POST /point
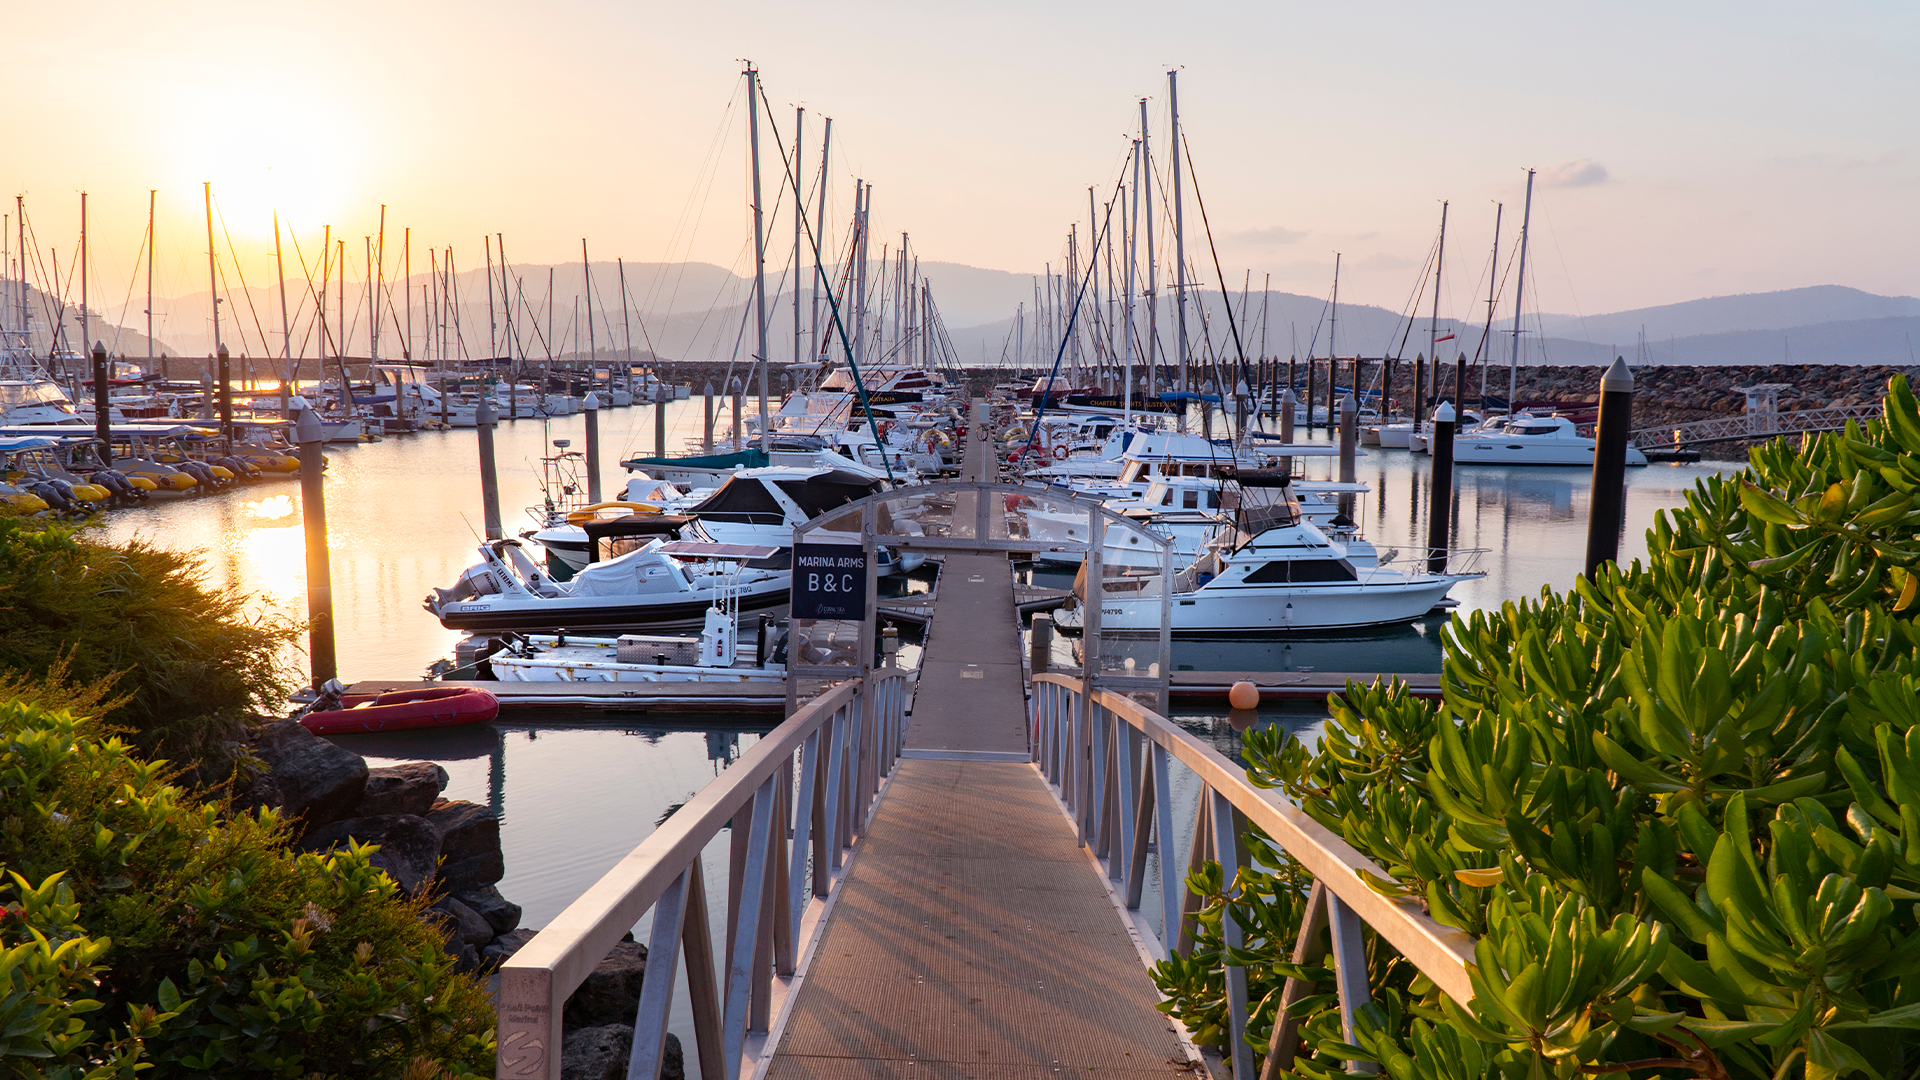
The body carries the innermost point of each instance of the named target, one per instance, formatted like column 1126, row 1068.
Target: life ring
column 591, row 513
column 1061, row 452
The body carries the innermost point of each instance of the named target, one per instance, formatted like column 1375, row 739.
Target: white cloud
column 1272, row 236
column 1585, row 172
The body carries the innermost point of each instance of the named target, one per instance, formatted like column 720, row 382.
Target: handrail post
column 1226, row 852
column 745, row 940
column 1170, row 877
column 1349, row 970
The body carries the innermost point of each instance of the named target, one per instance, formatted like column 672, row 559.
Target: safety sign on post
column 829, row 581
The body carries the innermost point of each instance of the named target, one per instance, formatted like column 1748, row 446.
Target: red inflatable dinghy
column 435, row 707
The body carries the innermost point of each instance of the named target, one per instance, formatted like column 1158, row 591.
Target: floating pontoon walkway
column 973, row 936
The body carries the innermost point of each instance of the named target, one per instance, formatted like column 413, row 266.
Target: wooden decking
column 973, row 936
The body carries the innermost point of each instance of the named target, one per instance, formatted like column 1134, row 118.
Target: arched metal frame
column 977, row 517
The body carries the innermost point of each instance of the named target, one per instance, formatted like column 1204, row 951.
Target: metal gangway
column 1753, row 425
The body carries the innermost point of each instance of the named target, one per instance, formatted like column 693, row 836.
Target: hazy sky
column 1685, row 149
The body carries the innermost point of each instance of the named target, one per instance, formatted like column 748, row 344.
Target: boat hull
column 581, row 614
column 408, row 709
column 1277, row 611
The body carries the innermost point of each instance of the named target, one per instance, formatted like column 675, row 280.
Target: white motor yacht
column 1276, row 573
column 1530, row 440
column 664, row 585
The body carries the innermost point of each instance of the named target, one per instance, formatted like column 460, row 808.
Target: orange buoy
column 1243, row 695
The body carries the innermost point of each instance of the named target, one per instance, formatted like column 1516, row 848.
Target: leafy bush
column 190, row 662
column 1679, row 806
column 149, row 930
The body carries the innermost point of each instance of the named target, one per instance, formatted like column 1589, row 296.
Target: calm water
column 577, row 791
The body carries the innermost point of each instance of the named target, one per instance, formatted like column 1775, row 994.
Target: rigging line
column 1073, row 317
column 244, row 290
column 1487, row 334
column 853, row 365
column 118, row 328
column 1246, row 375
column 1411, row 313
column 709, row 165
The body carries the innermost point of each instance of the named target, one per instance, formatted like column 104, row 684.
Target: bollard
column 1288, row 406
column 1349, row 445
column 484, row 418
column 227, row 400
column 661, row 395
column 102, row 420
column 1420, row 386
column 890, row 647
column 1439, row 509
column 739, row 428
column 706, row 435
column 1606, row 512
column 1040, row 648
column 592, row 407
column 1309, row 393
column 313, row 511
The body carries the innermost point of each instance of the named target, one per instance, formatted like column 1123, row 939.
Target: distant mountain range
column 702, row 311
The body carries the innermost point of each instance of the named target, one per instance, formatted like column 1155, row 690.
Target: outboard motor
column 203, row 476
column 59, row 497
column 115, row 481
column 237, row 466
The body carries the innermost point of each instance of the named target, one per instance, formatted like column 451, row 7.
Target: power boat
column 1531, row 440
column 1276, row 573
column 715, row 656
column 665, row 585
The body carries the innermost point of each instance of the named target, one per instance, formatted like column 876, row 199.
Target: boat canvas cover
column 635, row 573
column 742, row 500
column 634, row 525
column 818, row 494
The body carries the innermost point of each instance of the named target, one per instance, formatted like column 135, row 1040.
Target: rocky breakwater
column 1669, row 394
column 448, row 850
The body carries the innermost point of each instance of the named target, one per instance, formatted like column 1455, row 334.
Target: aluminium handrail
column 788, row 853
column 1109, row 757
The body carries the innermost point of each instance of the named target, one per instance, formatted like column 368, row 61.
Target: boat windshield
column 39, row 392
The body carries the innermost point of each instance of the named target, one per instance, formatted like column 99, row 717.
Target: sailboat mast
column 1179, row 225
column 1481, row 353
column 86, row 324
column 799, row 200
column 1133, row 239
column 493, row 323
column 1153, row 300
column 213, row 275
column 626, row 332
column 286, row 326
column 375, row 283
column 1433, row 321
column 820, row 233
column 1333, row 352
column 1519, row 291
column 862, row 199
column 150, row 201
column 759, row 252
column 406, row 287
column 586, row 270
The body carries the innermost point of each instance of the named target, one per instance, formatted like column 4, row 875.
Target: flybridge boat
column 1277, row 572
column 1531, row 440
column 666, row 585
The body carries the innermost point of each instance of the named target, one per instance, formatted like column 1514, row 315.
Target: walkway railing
column 788, row 855
column 1111, row 759
column 1759, row 425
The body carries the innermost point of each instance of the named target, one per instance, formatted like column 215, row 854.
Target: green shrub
column 149, row 927
column 190, row 663
column 1678, row 806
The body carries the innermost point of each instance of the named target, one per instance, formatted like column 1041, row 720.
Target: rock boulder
column 612, row 993
column 402, row 789
column 501, row 914
column 409, row 846
column 308, row 777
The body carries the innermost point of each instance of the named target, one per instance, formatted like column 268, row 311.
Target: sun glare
column 264, row 154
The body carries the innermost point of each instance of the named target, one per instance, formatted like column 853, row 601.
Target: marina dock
column 972, row 936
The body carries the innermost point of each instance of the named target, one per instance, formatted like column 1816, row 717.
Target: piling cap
column 484, row 413
column 592, row 402
column 1287, row 397
column 1618, row 378
column 1348, row 405
column 306, row 429
column 1444, row 414
column 99, row 350
column 223, row 352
